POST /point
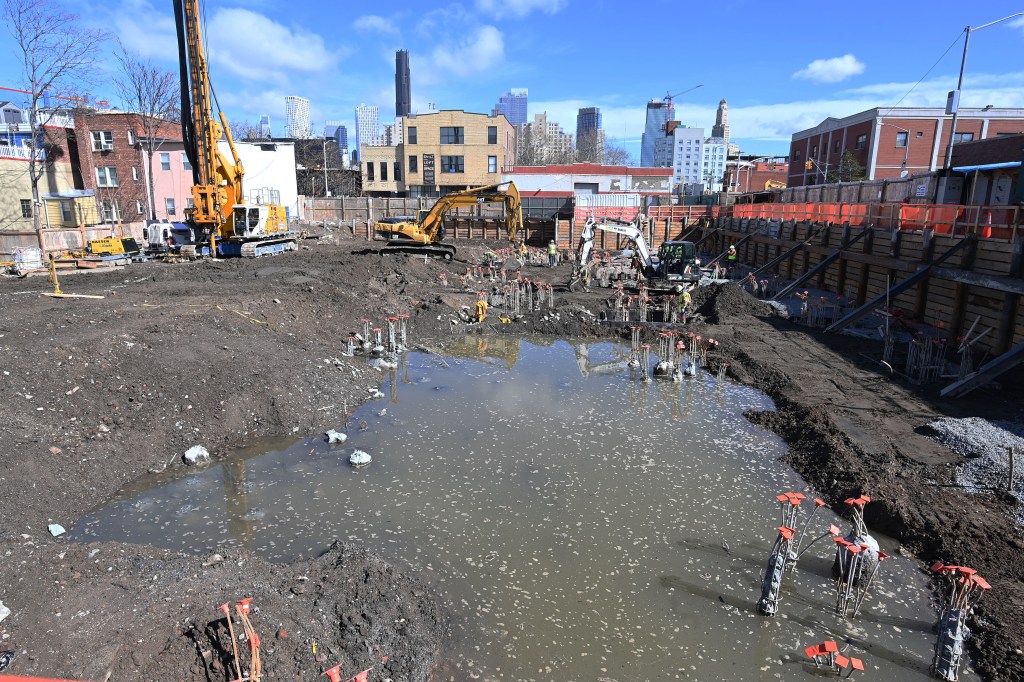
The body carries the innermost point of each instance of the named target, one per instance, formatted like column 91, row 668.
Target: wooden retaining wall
column 983, row 281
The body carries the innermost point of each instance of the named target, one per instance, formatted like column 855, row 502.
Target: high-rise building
column 403, row 84
column 713, row 164
column 334, row 130
column 297, row 115
column 589, row 136
column 687, row 159
column 656, row 145
column 265, row 127
column 367, row 127
column 721, row 127
column 542, row 141
column 513, row 105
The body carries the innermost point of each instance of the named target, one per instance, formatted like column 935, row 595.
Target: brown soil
column 96, row 393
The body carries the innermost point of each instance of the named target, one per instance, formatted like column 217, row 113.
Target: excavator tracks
column 445, row 251
column 267, row 248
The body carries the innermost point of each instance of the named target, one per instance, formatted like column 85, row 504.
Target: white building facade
column 367, row 126
column 687, row 160
column 297, row 113
column 714, row 152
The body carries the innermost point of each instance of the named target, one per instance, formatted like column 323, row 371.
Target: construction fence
column 996, row 222
column 61, row 239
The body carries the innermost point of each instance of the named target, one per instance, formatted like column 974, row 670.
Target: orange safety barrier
column 995, row 222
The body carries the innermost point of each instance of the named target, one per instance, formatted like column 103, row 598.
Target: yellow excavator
column 425, row 232
column 222, row 221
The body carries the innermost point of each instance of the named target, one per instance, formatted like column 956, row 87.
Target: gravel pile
column 985, row 443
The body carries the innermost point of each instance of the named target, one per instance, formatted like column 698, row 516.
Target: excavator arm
column 632, row 231
column 428, row 231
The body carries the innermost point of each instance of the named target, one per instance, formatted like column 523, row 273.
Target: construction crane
column 222, row 221
column 426, row 231
column 670, row 95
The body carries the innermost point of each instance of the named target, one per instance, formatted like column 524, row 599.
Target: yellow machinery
column 426, row 232
column 222, row 221
column 112, row 246
column 774, row 184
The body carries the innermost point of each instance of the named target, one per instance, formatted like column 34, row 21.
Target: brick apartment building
column 883, row 140
column 112, row 159
column 441, row 152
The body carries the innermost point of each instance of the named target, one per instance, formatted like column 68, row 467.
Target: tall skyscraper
column 265, row 127
column 297, row 116
column 656, row 145
column 334, row 130
column 513, row 105
column 721, row 127
column 367, row 127
column 589, row 136
column 403, row 84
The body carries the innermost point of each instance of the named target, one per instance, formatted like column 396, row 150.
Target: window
column 963, row 137
column 26, row 208
column 796, row 155
column 165, row 161
column 412, row 135
column 452, row 135
column 369, row 171
column 66, row 214
column 492, row 164
column 108, row 211
column 185, row 165
column 398, row 171
column 169, row 206
column 835, row 147
column 902, row 139
column 452, row 164
column 106, row 176
column 102, row 140
column 413, row 164
column 814, row 151
column 135, row 173
column 138, row 206
column 190, row 203
column 492, row 134
column 131, row 139
column 383, row 171
column 862, row 141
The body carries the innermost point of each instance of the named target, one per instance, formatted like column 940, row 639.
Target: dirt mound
column 718, row 302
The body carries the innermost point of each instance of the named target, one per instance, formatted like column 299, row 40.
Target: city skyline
column 488, row 48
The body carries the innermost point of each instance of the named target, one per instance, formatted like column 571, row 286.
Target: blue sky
column 782, row 66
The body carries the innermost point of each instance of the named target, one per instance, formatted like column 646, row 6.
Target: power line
column 921, row 80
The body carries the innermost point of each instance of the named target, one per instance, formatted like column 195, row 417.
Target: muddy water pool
column 574, row 519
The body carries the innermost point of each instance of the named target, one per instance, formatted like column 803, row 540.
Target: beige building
column 441, row 152
column 16, row 194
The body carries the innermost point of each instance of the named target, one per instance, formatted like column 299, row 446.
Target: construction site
column 575, row 480
column 484, row 432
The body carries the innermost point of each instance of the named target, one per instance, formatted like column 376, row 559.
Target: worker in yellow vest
column 552, row 253
column 481, row 310
column 731, row 259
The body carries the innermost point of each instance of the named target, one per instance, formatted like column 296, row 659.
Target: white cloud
column 481, row 50
column 146, row 31
column 519, row 8
column 831, row 70
column 240, row 42
column 1018, row 23
column 372, row 22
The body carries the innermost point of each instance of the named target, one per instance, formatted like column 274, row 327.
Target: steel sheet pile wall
column 983, row 281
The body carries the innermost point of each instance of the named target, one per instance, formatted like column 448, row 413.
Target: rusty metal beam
column 825, row 262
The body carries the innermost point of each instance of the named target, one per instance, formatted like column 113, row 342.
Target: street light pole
column 327, row 190
column 960, row 83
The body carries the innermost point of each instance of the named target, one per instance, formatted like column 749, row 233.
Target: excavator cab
column 677, row 262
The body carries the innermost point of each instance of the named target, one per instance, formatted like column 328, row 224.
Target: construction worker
column 685, row 300
column 731, row 259
column 552, row 253
column 481, row 310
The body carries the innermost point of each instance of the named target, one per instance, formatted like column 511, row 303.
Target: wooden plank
column 910, row 281
column 986, row 373
column 824, row 263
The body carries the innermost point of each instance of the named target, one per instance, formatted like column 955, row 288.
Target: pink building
column 172, row 180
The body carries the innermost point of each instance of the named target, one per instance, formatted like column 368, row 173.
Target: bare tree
column 617, row 156
column 590, row 146
column 153, row 94
column 245, row 130
column 55, row 53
